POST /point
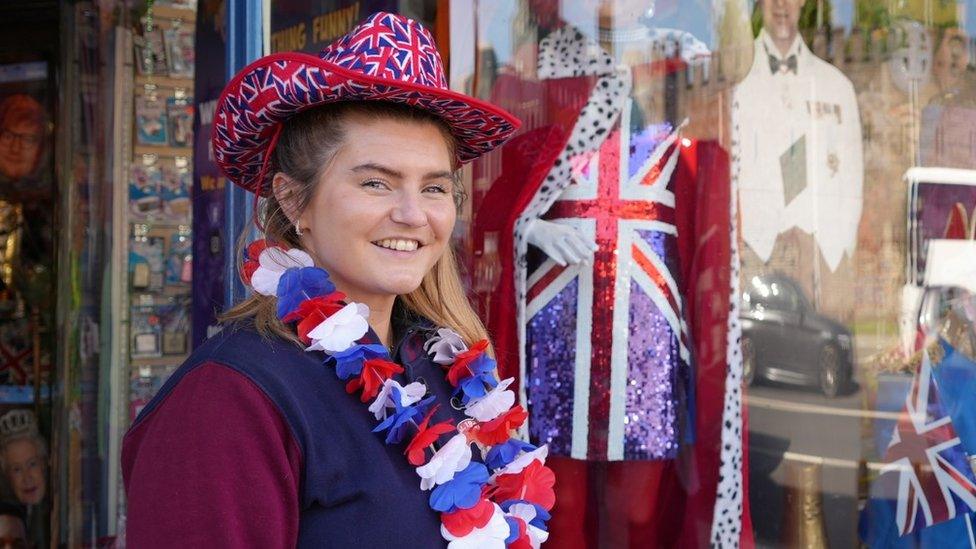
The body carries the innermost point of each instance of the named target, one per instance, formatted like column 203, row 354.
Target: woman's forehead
column 401, row 146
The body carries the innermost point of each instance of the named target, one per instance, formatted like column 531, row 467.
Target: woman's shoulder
column 271, row 364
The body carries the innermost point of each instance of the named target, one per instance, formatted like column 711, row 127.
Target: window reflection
column 845, row 131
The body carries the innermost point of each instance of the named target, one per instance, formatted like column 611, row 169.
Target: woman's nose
column 409, row 211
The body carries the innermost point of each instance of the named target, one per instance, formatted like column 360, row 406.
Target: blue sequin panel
column 650, row 424
column 551, row 342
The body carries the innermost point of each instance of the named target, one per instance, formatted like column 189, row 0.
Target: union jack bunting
column 925, row 461
column 612, row 374
column 387, row 57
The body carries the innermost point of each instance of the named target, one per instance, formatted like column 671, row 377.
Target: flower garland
column 502, row 500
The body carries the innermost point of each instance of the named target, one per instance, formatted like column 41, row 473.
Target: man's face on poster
column 20, row 143
column 781, row 18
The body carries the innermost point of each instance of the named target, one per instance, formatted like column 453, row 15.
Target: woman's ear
column 285, row 190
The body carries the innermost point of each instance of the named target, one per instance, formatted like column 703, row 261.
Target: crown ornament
column 18, row 423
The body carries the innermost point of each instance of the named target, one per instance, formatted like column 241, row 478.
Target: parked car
column 785, row 340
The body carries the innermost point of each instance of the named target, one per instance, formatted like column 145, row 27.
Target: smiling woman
column 371, row 188
column 357, row 300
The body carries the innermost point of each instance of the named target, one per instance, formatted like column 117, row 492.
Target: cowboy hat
column 387, row 57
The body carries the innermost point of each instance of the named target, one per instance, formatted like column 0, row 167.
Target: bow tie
column 775, row 63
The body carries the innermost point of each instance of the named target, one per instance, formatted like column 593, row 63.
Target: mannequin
column 598, row 254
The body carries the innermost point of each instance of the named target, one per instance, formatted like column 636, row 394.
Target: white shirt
column 798, row 141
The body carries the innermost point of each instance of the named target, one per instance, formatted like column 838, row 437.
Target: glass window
column 729, row 206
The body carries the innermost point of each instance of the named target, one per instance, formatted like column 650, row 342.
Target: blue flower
column 513, row 530
column 484, row 364
column 474, row 387
column 501, row 455
column 541, row 515
column 461, row 492
column 298, row 284
column 349, row 363
column 403, row 417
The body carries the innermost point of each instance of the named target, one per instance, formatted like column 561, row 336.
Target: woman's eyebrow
column 390, row 172
column 373, row 167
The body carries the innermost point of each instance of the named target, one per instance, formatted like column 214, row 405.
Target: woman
column 256, row 440
column 23, row 458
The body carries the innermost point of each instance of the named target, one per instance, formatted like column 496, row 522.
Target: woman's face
column 25, row 470
column 383, row 211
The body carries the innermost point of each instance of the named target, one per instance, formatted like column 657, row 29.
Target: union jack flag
column 926, row 461
column 620, row 340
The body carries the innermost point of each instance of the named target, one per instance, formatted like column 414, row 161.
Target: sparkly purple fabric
column 642, row 145
column 551, row 339
column 650, row 426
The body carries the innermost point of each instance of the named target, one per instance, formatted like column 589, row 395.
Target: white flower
column 448, row 460
column 527, row 512
column 489, row 536
column 446, row 345
column 520, row 463
column 272, row 263
column 341, row 330
column 409, row 394
column 494, row 403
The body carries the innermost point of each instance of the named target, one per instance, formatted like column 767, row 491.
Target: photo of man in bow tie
column 797, row 132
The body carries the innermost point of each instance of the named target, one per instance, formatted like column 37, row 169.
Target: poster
column 310, row 25
column 210, row 244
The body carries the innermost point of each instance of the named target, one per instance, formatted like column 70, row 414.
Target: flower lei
column 502, row 500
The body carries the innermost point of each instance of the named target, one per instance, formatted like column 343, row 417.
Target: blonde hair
column 307, row 144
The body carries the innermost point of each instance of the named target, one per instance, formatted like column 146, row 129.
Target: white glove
column 562, row 243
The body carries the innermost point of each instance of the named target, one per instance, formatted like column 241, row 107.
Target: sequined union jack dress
column 605, row 358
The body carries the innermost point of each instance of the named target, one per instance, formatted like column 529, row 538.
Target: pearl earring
column 298, row 228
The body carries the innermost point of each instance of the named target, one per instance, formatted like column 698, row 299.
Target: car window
column 775, row 295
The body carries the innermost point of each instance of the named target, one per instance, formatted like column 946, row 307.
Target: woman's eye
column 374, row 184
column 440, row 189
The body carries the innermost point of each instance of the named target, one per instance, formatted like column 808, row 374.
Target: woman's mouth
column 398, row 244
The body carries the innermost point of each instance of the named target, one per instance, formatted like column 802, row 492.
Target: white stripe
column 537, row 275
column 656, row 155
column 584, row 353
column 969, row 530
column 655, row 260
column 660, row 300
column 618, row 353
column 623, row 156
column 553, row 289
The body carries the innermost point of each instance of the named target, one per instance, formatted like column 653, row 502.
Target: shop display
column 179, row 261
column 608, row 213
column 179, row 52
column 145, row 183
column 159, row 250
column 150, row 53
column 179, row 109
column 151, row 121
column 174, row 191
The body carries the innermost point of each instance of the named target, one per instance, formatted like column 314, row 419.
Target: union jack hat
column 387, row 57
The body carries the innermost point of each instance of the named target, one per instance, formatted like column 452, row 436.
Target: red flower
column 459, row 370
column 425, row 437
column 375, row 372
column 463, row 521
column 499, row 429
column 533, row 484
column 250, row 265
column 312, row 312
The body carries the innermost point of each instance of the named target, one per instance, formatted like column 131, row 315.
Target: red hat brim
column 272, row 89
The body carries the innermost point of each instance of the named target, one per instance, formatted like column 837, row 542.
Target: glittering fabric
column 650, row 426
column 631, row 411
column 550, row 376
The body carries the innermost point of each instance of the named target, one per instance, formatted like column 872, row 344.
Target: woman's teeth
column 399, row 245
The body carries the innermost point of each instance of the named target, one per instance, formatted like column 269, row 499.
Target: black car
column 785, row 340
